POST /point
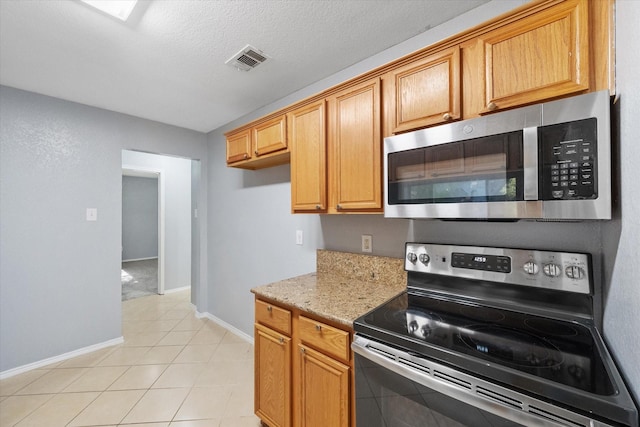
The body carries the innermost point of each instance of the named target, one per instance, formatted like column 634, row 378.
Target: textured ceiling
column 166, row 63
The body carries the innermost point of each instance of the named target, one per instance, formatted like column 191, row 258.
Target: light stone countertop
column 343, row 293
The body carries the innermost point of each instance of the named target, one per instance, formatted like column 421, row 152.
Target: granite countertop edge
column 330, row 296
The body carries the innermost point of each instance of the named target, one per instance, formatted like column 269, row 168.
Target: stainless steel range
column 489, row 337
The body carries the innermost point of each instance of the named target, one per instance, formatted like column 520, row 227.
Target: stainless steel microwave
column 549, row 161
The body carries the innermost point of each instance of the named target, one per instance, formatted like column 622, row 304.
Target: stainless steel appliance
column 548, row 161
column 489, row 337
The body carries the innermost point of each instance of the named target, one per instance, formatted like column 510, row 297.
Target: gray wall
column 139, row 218
column 251, row 235
column 244, row 257
column 621, row 237
column 59, row 274
column 176, row 178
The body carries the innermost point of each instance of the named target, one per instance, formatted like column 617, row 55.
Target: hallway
column 173, row 370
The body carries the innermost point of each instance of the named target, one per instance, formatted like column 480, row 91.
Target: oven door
column 395, row 388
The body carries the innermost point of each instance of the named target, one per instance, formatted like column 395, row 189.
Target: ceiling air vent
column 247, row 59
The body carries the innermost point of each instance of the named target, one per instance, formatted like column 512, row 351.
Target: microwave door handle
column 530, row 162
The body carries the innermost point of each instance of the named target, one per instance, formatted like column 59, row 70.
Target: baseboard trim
column 139, row 259
column 55, row 359
column 170, row 291
column 225, row 325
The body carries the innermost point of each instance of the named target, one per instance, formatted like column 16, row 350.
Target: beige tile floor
column 173, row 370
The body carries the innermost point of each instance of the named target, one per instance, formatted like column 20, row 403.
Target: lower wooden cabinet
column 324, row 390
column 273, row 384
column 313, row 387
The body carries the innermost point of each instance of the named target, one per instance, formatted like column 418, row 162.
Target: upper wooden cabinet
column 540, row 57
column 262, row 145
column 239, row 146
column 355, row 149
column 270, row 136
column 423, row 93
column 307, row 136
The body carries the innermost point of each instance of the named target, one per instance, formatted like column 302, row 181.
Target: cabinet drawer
column 332, row 341
column 273, row 316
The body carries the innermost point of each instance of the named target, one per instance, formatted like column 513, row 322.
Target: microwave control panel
column 568, row 170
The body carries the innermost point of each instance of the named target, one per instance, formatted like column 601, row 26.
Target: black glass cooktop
column 563, row 352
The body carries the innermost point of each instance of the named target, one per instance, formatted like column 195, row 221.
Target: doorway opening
column 142, row 232
column 175, row 223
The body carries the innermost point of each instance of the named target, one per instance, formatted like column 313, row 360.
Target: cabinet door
column 272, row 377
column 270, row 136
column 539, row 57
column 307, row 137
column 355, row 155
column 425, row 92
column 239, row 146
column 324, row 390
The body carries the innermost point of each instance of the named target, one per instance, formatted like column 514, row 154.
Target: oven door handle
column 489, row 397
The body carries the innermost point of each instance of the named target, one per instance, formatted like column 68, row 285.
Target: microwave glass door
column 486, row 169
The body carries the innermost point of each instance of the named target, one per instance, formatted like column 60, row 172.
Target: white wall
column 176, row 174
column 59, row 274
column 139, row 218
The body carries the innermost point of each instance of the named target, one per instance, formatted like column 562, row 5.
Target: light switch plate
column 92, row 214
column 299, row 237
column 367, row 243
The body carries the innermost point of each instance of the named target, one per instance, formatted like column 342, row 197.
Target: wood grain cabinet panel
column 355, row 149
column 273, row 377
column 270, row 136
column 540, row 57
column 425, row 92
column 238, row 146
column 273, row 316
column 262, row 145
column 324, row 390
column 307, row 137
column 333, row 341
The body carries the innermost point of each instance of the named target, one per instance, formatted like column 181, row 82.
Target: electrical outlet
column 367, row 243
column 299, row 237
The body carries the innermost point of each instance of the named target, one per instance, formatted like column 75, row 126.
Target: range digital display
column 483, row 262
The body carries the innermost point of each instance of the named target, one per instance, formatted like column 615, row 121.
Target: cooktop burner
column 559, row 351
column 511, row 346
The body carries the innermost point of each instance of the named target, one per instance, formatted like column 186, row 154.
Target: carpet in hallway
column 139, row 278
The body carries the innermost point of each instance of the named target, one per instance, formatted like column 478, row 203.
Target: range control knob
column 530, row 268
column 424, row 258
column 413, row 326
column 552, row 270
column 412, row 257
column 574, row 272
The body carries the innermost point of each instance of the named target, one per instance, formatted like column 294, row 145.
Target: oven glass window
column 387, row 399
column 478, row 170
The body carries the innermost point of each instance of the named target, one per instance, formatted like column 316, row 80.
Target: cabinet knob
column 318, row 207
column 318, row 328
column 446, row 117
column 492, row 106
column 245, row 156
column 338, row 207
column 256, row 152
column 281, row 340
column 302, row 350
column 269, row 308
